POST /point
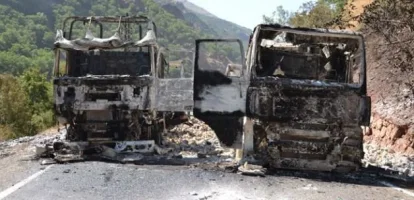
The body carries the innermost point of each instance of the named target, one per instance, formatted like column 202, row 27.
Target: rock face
column 389, row 145
column 392, row 123
column 384, row 133
column 390, row 83
column 388, row 159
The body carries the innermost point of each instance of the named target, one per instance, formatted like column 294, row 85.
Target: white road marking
column 397, row 188
column 20, row 184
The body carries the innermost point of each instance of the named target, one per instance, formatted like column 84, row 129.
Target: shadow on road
column 365, row 176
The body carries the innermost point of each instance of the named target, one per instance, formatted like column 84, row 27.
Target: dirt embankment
column 390, row 62
column 392, row 122
column 355, row 8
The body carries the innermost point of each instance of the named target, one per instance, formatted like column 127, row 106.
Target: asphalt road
column 98, row 180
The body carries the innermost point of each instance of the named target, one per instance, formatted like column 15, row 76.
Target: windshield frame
column 256, row 40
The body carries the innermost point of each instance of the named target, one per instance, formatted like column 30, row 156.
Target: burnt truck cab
column 302, row 94
column 110, row 80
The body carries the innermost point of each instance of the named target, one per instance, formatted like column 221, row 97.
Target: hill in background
column 179, row 24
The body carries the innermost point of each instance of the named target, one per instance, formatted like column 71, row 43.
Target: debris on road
column 383, row 158
column 191, row 142
column 252, row 170
column 47, row 162
column 162, row 151
column 185, row 144
column 309, row 187
column 131, row 158
column 197, row 137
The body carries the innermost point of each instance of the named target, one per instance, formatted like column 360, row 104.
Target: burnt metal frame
column 199, row 41
column 196, row 82
column 322, row 32
column 98, row 19
column 163, row 51
column 360, row 88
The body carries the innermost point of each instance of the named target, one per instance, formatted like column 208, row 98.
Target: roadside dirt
column 193, row 139
column 389, row 142
column 392, row 93
column 355, row 8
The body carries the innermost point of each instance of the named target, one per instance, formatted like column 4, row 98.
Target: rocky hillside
column 354, row 9
column 387, row 27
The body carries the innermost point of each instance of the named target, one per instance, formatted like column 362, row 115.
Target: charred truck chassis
column 111, row 108
column 107, row 95
column 304, row 93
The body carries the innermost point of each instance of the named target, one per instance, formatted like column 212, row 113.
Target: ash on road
column 97, row 180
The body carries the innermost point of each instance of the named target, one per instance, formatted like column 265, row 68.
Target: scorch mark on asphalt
column 20, row 184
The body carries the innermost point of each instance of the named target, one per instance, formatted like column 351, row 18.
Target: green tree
column 338, row 5
column 313, row 14
column 20, row 38
column 280, row 16
column 25, row 104
column 37, row 88
column 15, row 118
column 39, row 94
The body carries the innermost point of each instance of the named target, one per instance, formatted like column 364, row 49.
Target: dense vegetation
column 314, row 14
column 25, row 104
column 393, row 21
column 25, row 62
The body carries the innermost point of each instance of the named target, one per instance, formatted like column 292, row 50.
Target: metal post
column 248, row 146
column 247, row 140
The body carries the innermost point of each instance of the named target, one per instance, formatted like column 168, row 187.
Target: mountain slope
column 28, row 27
column 200, row 18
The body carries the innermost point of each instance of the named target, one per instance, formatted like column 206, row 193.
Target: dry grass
column 355, row 8
column 5, row 133
column 51, row 131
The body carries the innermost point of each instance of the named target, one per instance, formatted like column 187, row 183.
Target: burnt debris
column 305, row 90
column 112, row 87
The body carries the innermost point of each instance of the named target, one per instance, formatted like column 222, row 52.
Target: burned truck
column 299, row 102
column 111, row 81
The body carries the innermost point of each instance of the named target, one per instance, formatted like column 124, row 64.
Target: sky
column 247, row 13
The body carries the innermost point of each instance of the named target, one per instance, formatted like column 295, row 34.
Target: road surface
column 99, row 180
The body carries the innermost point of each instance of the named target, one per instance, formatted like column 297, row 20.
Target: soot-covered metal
column 219, row 92
column 305, row 90
column 308, row 96
column 109, row 89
